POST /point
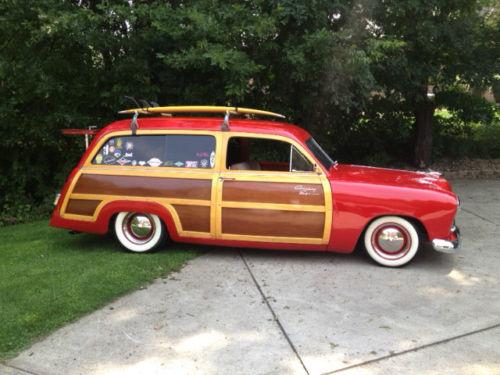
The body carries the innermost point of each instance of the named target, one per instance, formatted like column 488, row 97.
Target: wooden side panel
column 273, row 192
column 82, row 207
column 264, row 222
column 194, row 218
column 144, row 186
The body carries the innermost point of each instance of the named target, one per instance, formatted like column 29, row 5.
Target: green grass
column 49, row 278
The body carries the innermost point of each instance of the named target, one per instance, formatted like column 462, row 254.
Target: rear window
column 179, row 151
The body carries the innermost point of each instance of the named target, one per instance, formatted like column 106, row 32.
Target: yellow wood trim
column 68, row 193
column 165, row 172
column 193, row 234
column 269, row 176
column 215, row 179
column 110, row 198
column 273, row 206
column 221, row 160
column 164, row 202
column 328, row 209
column 273, row 239
column 92, row 218
column 218, row 209
column 78, row 217
column 123, row 133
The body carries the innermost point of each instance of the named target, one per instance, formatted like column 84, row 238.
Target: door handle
column 227, row 178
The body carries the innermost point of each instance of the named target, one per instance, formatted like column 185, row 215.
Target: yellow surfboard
column 202, row 109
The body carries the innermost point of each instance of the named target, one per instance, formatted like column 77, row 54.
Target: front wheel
column 139, row 232
column 391, row 241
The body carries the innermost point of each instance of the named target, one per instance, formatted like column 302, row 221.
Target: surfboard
column 201, row 109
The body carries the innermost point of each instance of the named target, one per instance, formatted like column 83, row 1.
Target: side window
column 181, row 151
column 298, row 163
column 190, row 151
column 256, row 154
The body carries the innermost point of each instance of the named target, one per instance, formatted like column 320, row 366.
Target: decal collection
column 118, row 151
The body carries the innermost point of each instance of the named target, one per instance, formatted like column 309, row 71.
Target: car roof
column 210, row 124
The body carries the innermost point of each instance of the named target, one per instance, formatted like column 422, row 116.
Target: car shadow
column 426, row 258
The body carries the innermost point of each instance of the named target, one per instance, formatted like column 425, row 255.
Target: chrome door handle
column 226, row 178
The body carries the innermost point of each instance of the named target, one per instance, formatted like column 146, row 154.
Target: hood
column 389, row 177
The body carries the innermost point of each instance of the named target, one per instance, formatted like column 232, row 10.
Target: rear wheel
column 139, row 232
column 391, row 241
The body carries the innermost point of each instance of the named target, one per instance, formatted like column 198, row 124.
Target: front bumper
column 448, row 245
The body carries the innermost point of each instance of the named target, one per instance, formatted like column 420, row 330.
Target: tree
column 423, row 47
column 69, row 64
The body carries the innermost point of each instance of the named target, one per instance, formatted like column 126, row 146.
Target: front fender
column 356, row 205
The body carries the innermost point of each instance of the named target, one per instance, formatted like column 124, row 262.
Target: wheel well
column 111, row 221
column 420, row 227
column 417, row 223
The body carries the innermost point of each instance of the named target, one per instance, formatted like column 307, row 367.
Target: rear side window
column 180, row 151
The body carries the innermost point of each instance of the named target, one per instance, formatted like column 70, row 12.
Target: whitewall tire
column 391, row 241
column 139, row 232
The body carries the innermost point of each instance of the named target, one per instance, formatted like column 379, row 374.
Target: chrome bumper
column 447, row 246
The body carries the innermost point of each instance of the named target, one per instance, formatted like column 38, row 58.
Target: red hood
column 391, row 177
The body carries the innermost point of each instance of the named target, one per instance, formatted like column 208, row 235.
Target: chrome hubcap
column 138, row 228
column 390, row 240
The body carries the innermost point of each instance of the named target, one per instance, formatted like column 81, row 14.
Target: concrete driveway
column 266, row 312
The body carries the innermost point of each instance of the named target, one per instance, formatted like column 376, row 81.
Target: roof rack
column 197, row 109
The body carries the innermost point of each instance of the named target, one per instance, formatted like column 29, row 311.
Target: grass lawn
column 49, row 277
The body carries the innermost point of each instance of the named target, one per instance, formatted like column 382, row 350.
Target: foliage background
column 349, row 71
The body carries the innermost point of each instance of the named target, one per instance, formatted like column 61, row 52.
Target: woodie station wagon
column 242, row 182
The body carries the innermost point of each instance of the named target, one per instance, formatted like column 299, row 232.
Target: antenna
column 132, row 99
column 145, row 103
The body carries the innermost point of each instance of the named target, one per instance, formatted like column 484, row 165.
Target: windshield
column 319, row 153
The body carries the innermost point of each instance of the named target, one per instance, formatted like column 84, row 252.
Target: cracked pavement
column 267, row 312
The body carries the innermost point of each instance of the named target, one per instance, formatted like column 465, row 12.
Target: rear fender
column 115, row 207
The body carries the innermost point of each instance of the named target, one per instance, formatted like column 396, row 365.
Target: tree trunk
column 424, row 115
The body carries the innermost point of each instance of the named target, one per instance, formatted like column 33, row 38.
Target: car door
column 272, row 201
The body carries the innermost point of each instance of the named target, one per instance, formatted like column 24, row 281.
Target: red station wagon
column 248, row 183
